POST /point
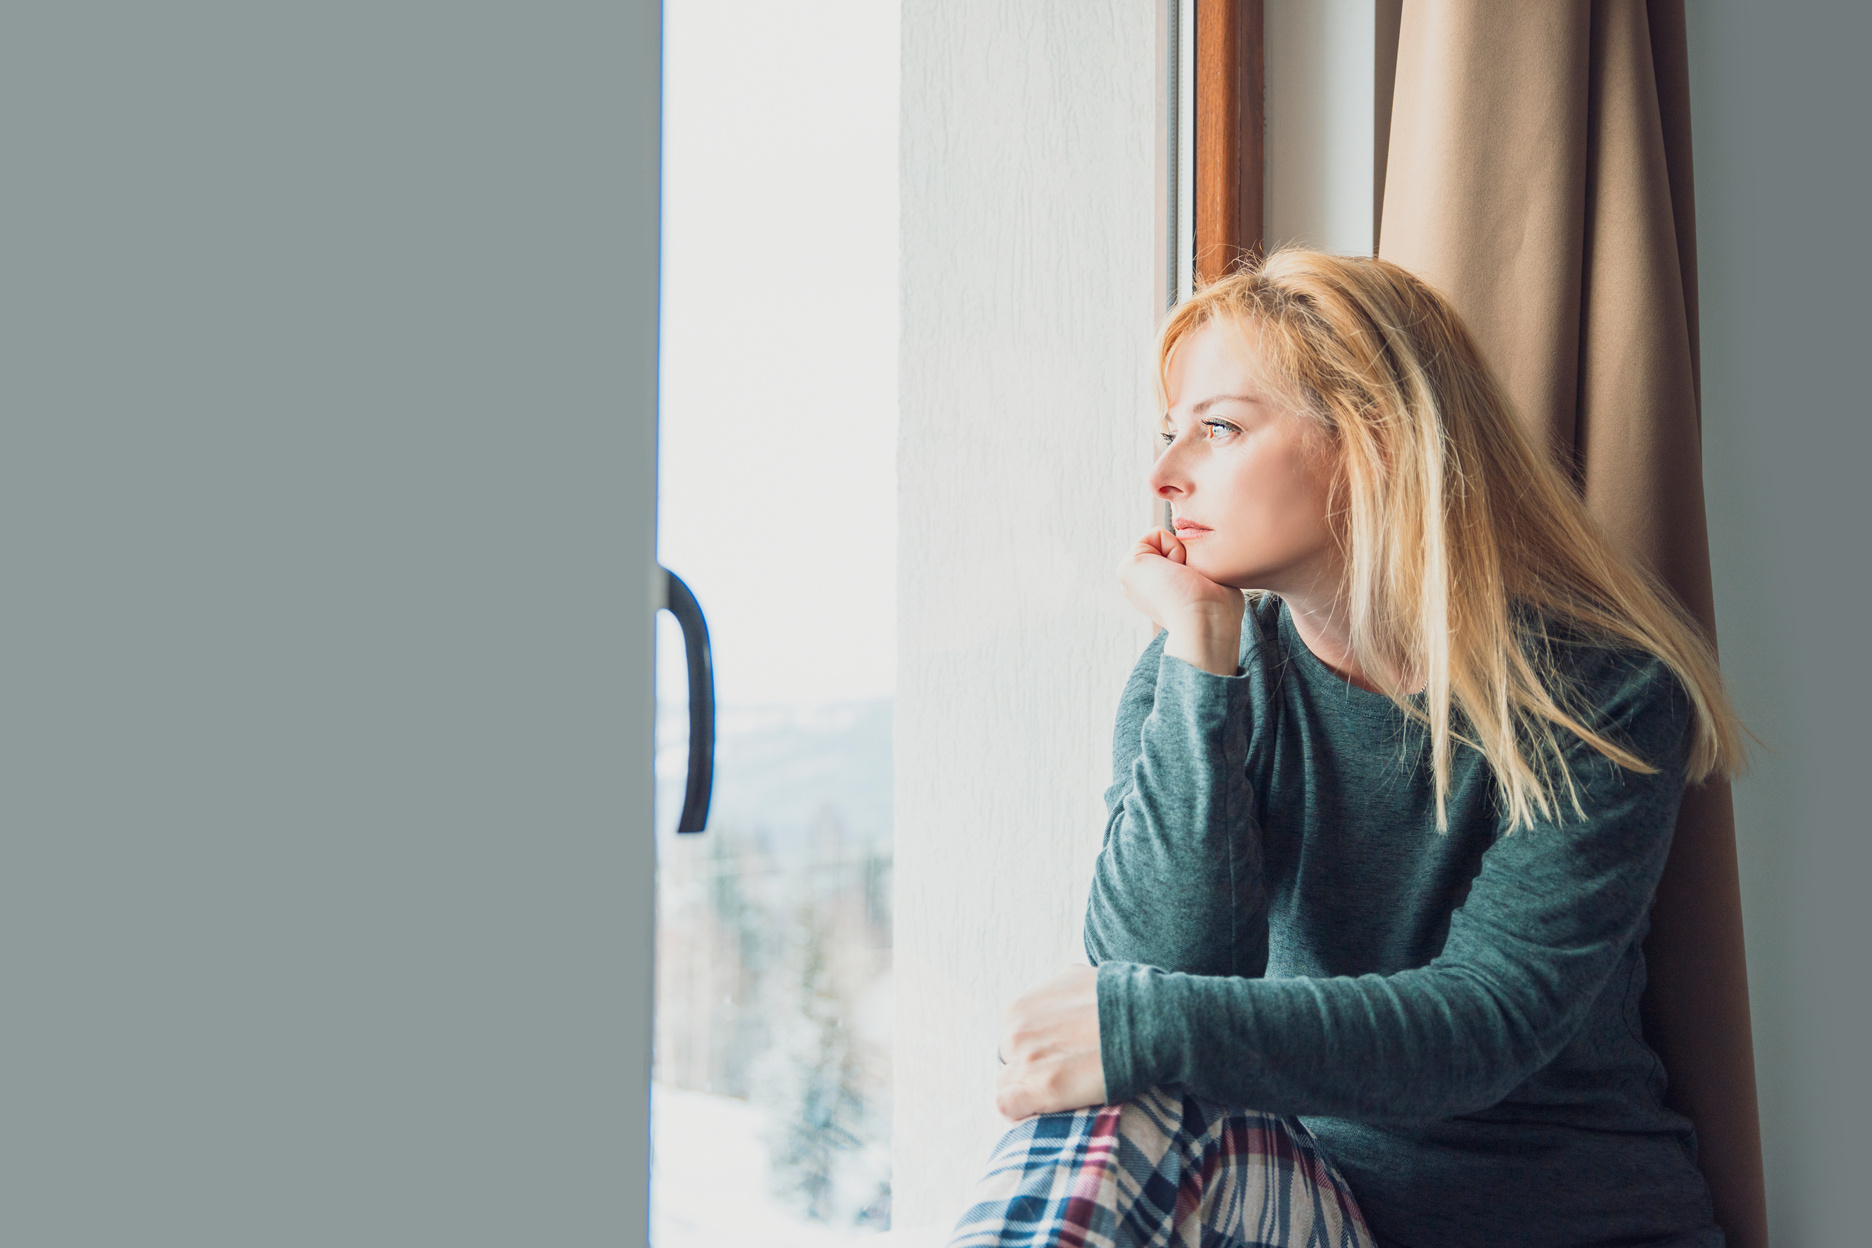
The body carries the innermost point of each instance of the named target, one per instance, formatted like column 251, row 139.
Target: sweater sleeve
column 1177, row 885
column 1550, row 914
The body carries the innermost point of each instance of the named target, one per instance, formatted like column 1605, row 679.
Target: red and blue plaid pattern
column 1165, row 1169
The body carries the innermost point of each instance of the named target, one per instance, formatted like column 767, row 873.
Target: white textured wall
column 1027, row 266
column 1319, row 123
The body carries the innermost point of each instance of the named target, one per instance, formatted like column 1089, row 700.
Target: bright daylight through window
column 771, row 1111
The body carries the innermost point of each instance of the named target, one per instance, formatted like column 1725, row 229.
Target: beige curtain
column 1538, row 172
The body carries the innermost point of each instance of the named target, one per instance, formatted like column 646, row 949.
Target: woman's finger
column 1163, row 542
column 1014, row 1104
column 1051, row 1086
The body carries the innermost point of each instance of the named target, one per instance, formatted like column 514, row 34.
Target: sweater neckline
column 1316, row 669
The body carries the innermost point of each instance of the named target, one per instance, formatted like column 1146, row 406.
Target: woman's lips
column 1186, row 530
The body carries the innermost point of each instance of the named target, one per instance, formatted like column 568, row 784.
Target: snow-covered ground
column 708, row 1183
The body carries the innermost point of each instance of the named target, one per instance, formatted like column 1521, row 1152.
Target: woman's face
column 1247, row 479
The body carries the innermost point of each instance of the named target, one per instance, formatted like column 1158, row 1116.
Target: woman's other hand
column 1050, row 1042
column 1203, row 617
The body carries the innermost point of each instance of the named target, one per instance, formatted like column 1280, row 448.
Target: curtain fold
column 1538, row 172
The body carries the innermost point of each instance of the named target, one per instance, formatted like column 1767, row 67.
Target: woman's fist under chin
column 1157, row 579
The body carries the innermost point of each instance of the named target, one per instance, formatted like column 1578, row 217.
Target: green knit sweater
column 1278, row 924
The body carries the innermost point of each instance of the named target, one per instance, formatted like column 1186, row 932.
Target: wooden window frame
column 1229, row 139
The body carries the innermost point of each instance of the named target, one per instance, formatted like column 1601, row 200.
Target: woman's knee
column 1186, row 1161
column 1122, row 1174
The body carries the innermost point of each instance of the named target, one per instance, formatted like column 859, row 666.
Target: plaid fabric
column 1165, row 1169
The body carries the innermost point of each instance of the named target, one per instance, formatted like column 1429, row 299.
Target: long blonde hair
column 1455, row 524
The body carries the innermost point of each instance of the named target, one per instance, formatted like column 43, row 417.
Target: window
column 771, row 1086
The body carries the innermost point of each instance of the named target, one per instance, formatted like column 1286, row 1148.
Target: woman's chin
column 1196, row 559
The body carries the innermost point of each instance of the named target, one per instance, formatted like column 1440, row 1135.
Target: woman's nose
column 1166, row 478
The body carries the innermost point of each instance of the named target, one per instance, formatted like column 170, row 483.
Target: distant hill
column 777, row 768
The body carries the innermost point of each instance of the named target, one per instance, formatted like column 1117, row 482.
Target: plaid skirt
column 1165, row 1169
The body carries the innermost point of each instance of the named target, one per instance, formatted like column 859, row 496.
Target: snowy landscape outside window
column 770, row 1098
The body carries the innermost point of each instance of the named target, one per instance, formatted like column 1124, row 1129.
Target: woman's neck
column 1324, row 625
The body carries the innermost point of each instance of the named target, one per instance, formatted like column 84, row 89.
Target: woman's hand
column 1203, row 617
column 1050, row 1042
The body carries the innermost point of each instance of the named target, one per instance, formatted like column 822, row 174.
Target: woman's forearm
column 1178, row 883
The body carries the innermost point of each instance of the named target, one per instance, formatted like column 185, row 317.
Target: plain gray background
column 326, row 472
column 1780, row 109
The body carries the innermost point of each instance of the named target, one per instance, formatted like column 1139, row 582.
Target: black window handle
column 682, row 604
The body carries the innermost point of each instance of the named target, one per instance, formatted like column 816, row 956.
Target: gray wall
column 326, row 471
column 1780, row 110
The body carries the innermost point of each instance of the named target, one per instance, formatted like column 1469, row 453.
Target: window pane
column 778, row 508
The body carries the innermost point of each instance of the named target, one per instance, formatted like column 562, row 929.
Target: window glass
column 777, row 500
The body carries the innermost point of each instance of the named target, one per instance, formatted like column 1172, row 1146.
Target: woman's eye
column 1212, row 430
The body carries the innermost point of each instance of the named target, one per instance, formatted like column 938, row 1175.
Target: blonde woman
column 1383, row 834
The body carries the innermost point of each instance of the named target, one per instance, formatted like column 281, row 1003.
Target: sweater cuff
column 1163, row 1027
column 1198, row 709
column 1184, row 675
column 1128, row 1023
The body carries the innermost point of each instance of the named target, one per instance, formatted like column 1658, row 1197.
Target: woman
column 1383, row 835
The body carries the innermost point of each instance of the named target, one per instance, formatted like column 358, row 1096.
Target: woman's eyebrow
column 1203, row 406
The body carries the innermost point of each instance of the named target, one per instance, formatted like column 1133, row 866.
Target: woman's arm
column 1178, row 883
column 1550, row 914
